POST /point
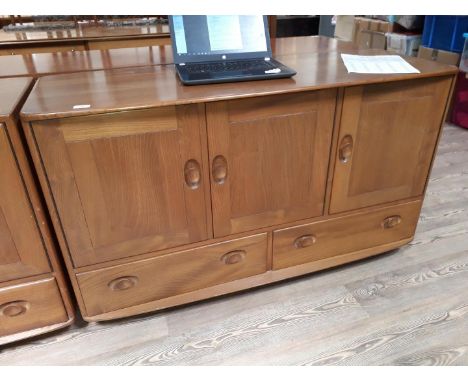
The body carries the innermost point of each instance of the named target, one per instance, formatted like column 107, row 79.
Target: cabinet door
column 126, row 183
column 269, row 158
column 21, row 251
column 387, row 138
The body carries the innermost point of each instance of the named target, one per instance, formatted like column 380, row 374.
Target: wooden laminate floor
column 406, row 307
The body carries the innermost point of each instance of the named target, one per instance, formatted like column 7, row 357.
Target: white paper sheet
column 377, row 64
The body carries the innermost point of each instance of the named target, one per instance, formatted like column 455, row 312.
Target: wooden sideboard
column 33, row 291
column 85, row 36
column 163, row 194
column 41, row 64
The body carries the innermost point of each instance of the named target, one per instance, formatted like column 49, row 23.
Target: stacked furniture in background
column 33, row 294
column 83, row 36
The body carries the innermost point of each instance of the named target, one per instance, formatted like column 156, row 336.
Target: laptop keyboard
column 229, row 66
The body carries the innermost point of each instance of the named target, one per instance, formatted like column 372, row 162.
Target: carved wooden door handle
column 219, row 170
column 391, row 221
column 304, row 241
column 14, row 308
column 233, row 257
column 192, row 174
column 346, row 149
column 123, row 283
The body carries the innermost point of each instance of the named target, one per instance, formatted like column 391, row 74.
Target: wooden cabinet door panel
column 21, row 250
column 387, row 138
column 269, row 159
column 119, row 180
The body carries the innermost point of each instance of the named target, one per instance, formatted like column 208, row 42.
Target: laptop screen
column 203, row 38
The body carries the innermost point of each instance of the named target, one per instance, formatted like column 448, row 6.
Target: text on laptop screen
column 206, row 35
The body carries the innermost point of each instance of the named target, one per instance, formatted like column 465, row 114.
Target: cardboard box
column 344, row 28
column 442, row 56
column 406, row 44
column 370, row 33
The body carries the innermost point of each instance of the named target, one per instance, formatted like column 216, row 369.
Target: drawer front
column 311, row 242
column 30, row 306
column 117, row 287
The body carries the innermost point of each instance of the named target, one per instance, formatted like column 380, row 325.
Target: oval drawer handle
column 219, row 170
column 346, row 149
column 305, row 241
column 233, row 257
column 14, row 308
column 123, row 283
column 391, row 221
column 192, row 174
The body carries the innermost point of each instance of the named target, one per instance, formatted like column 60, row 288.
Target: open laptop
column 209, row 49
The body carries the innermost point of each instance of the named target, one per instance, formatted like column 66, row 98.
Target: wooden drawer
column 311, row 242
column 30, row 306
column 152, row 279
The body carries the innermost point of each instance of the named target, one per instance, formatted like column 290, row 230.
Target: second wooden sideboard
column 33, row 291
column 163, row 194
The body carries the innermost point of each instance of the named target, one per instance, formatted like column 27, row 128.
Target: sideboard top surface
column 41, row 64
column 86, row 93
column 11, row 92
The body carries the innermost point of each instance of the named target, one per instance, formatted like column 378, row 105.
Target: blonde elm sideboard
column 162, row 194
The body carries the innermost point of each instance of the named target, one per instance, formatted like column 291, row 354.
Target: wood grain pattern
column 151, row 86
column 122, row 192
column 247, row 283
column 117, row 194
column 269, row 158
column 435, row 357
column 115, row 56
column 29, row 306
column 342, row 235
column 84, row 31
column 388, row 336
column 408, row 307
column 27, row 247
column 129, row 42
column 11, row 93
column 275, row 154
column 177, row 273
column 38, row 48
column 118, row 125
column 41, row 64
column 83, row 36
column 387, row 139
column 22, row 253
